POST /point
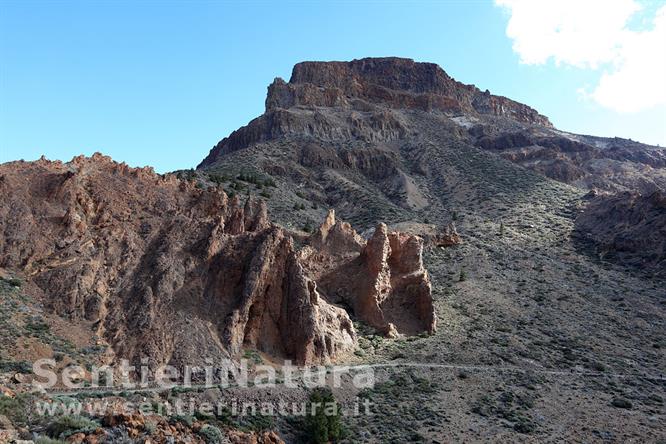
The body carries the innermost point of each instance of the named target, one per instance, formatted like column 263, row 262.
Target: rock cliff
column 364, row 94
column 178, row 274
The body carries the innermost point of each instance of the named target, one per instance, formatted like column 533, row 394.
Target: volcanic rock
column 370, row 89
column 382, row 281
column 175, row 273
column 628, row 227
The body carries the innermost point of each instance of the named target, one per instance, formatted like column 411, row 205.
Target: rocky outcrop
column 609, row 164
column 8, row 432
column 168, row 271
column 374, row 123
column 394, row 295
column 444, row 236
column 627, row 227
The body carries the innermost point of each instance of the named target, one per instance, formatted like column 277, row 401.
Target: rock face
column 445, row 237
column 372, row 88
column 628, row 227
column 175, row 273
column 383, row 281
column 585, row 161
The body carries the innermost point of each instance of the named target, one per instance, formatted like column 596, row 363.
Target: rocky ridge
column 168, row 271
column 370, row 104
column 610, row 164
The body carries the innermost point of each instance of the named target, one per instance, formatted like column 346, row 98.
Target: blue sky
column 160, row 82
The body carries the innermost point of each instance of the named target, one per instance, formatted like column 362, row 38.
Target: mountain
column 531, row 289
column 385, row 138
column 383, row 103
column 503, row 278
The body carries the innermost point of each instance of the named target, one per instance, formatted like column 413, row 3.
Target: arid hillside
column 503, row 279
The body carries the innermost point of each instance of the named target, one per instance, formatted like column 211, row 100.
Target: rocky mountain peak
column 392, row 82
column 366, row 100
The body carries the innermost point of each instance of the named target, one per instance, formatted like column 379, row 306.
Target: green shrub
column 201, row 416
column 15, row 367
column 16, row 409
column 257, row 423
column 67, row 425
column 150, row 427
column 211, row 434
column 37, row 326
column 621, row 403
column 524, row 425
column 14, row 282
column 187, row 420
column 218, row 179
column 463, row 275
column 322, row 425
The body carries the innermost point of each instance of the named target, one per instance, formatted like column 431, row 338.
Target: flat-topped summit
column 366, row 100
column 393, row 82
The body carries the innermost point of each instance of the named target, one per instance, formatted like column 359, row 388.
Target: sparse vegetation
column 24, row 367
column 253, row 356
column 535, row 300
column 256, row 180
column 16, row 409
column 47, row 440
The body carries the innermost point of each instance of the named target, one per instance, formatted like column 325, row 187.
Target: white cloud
column 639, row 80
column 593, row 34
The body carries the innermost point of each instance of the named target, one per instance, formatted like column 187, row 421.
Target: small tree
column 463, row 275
column 501, row 229
column 323, row 422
